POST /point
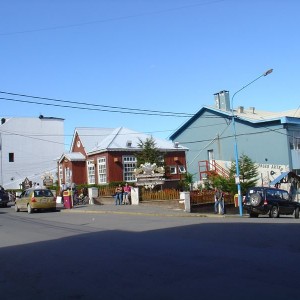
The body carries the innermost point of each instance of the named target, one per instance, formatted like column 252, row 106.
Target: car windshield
column 256, row 191
column 43, row 193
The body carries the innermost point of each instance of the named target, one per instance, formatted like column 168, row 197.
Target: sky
column 125, row 63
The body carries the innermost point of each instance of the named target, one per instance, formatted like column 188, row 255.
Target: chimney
column 240, row 109
column 222, row 100
column 252, row 109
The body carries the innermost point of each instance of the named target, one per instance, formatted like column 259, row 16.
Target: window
column 11, row 157
column 129, row 164
column 294, row 140
column 173, row 170
column 68, row 175
column 102, row 170
column 285, row 196
column 91, row 171
column 60, row 174
column 181, row 169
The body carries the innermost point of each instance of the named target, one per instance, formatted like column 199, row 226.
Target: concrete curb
column 145, row 213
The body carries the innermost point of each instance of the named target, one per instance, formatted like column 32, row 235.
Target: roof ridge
column 118, row 129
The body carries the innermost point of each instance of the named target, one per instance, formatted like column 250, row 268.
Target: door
column 210, row 154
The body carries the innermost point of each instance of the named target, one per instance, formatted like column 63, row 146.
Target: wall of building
column 36, row 144
column 79, row 172
column 213, row 132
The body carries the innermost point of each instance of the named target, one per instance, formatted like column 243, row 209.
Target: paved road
column 121, row 255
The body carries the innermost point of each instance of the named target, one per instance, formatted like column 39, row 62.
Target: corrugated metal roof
column 248, row 114
column 259, row 115
column 75, row 156
column 105, row 139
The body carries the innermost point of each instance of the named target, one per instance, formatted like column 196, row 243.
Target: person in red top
column 126, row 194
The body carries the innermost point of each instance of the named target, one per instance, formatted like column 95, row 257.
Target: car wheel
column 274, row 213
column 253, row 215
column 16, row 208
column 29, row 209
column 255, row 199
column 297, row 213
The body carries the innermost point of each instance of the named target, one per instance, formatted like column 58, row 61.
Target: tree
column 186, row 183
column 248, row 173
column 248, row 176
column 149, row 153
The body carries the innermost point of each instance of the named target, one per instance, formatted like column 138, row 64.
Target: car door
column 22, row 203
column 287, row 203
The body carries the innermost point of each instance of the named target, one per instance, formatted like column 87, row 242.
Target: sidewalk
column 141, row 209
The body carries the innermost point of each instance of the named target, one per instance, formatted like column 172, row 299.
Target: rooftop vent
column 3, row 120
column 176, row 144
column 240, row 109
column 252, row 109
column 129, row 144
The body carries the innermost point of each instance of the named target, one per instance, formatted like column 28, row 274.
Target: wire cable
column 96, row 105
column 110, row 19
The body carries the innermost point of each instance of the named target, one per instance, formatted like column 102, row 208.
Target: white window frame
column 181, row 169
column 60, row 174
column 173, row 170
column 102, row 170
column 129, row 164
column 68, row 176
column 90, row 166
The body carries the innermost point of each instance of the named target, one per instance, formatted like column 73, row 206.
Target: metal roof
column 73, row 156
column 249, row 115
column 118, row 139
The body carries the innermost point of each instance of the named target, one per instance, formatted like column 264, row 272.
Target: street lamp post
column 237, row 177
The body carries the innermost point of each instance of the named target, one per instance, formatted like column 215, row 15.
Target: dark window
column 11, row 157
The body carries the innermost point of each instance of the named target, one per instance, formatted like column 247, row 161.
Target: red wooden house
column 105, row 155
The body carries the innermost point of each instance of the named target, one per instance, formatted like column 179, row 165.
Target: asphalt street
column 127, row 253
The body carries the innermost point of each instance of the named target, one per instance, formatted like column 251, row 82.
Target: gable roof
column 118, row 139
column 72, row 156
column 248, row 115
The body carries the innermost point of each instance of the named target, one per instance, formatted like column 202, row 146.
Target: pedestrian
column 219, row 198
column 119, row 194
column 126, row 194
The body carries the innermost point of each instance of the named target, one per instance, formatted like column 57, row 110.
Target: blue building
column 270, row 139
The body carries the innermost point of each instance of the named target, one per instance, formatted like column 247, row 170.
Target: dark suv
column 271, row 201
column 4, row 197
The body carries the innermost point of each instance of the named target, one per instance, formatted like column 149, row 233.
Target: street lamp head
column 268, row 72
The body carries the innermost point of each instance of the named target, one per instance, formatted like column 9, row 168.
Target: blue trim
column 281, row 176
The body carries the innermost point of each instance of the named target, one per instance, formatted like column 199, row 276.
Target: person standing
column 119, row 194
column 219, row 201
column 126, row 194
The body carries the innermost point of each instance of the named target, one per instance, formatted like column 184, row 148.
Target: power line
column 230, row 136
column 92, row 105
column 92, row 109
column 59, row 27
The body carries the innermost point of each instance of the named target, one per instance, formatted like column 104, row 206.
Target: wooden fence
column 197, row 197
column 206, row 197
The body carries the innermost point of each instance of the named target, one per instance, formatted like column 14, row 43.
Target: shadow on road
column 205, row 261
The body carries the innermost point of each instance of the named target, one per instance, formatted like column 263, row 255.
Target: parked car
column 4, row 197
column 35, row 199
column 271, row 201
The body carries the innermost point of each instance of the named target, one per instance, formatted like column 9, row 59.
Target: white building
column 29, row 148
